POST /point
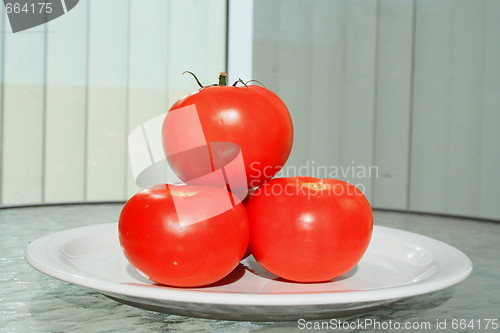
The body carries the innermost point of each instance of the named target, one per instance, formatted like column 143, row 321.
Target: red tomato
column 307, row 229
column 253, row 118
column 184, row 236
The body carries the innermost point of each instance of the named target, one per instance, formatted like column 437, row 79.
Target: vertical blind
column 74, row 88
column 411, row 87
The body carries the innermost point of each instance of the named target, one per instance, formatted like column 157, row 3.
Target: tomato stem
column 197, row 81
column 262, row 84
column 222, row 79
column 240, row 81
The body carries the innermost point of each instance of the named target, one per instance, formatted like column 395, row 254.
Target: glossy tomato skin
column 183, row 255
column 307, row 229
column 253, row 118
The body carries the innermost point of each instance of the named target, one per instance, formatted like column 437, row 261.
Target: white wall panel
column 240, row 39
column 431, row 105
column 196, row 43
column 23, row 116
column 466, row 107
column 393, row 103
column 359, row 94
column 319, row 56
column 109, row 66
column 2, row 27
column 107, row 100
column 147, row 84
column 294, row 68
column 216, row 35
column 265, row 51
column 327, row 87
column 448, row 107
column 411, row 87
column 488, row 173
column 65, row 104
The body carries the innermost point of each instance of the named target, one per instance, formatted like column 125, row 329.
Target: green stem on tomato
column 240, row 81
column 197, row 81
column 262, row 84
column 222, row 79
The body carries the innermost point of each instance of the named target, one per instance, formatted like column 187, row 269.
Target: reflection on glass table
column 32, row 301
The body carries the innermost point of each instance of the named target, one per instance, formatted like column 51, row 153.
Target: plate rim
column 171, row 294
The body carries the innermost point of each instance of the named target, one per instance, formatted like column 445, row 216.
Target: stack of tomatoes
column 226, row 143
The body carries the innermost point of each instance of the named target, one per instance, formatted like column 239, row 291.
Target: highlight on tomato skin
column 184, row 236
column 306, row 229
column 250, row 117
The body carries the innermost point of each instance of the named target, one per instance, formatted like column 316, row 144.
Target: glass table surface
column 33, row 302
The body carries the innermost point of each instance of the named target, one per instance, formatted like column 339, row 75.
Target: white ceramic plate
column 397, row 264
